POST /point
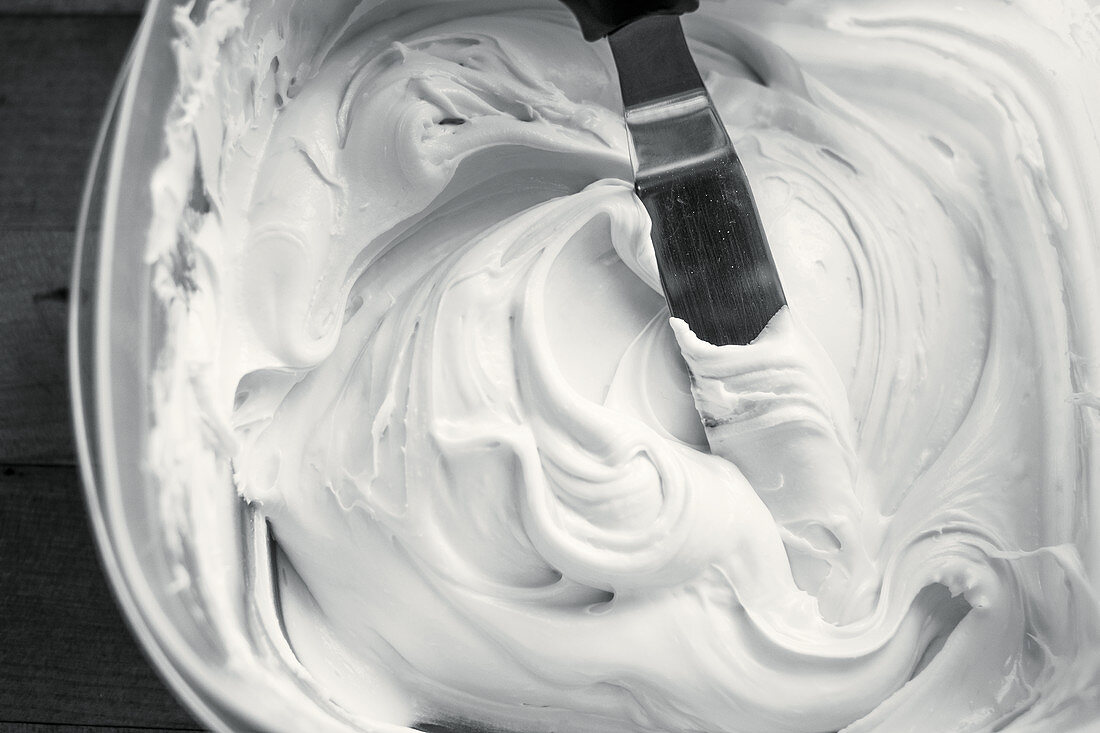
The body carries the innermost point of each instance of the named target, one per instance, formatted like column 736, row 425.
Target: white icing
column 416, row 305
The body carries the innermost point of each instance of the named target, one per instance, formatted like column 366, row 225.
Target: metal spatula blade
column 716, row 268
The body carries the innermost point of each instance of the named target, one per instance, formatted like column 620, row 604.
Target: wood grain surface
column 72, row 7
column 56, row 74
column 67, row 659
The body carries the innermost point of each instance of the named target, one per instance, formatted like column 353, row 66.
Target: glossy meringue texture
column 412, row 301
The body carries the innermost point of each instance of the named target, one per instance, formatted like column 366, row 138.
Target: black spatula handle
column 598, row 18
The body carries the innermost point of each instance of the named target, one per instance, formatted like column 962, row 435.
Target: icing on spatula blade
column 716, row 268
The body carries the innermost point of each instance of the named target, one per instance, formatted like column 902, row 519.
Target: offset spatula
column 716, row 268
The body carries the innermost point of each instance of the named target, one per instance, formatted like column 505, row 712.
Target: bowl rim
column 89, row 382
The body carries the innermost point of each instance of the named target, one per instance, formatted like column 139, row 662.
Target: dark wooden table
column 67, row 659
